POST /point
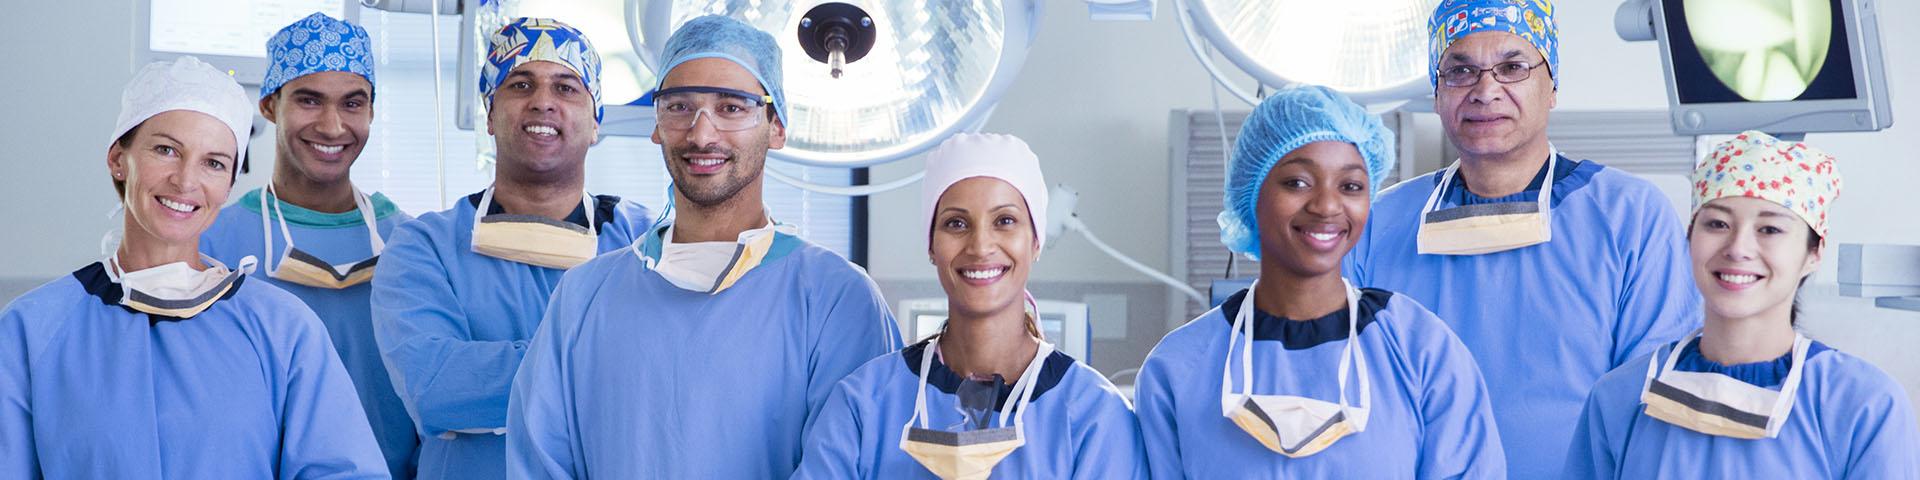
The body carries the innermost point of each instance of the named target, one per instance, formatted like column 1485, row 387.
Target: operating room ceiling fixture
column 1372, row 50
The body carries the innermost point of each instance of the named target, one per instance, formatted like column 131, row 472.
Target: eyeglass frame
column 1479, row 73
column 759, row 101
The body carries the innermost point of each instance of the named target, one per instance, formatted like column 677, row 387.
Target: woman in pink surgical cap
column 987, row 395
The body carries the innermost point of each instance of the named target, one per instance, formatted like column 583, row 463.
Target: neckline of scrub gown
column 948, row 382
column 94, row 279
column 1763, row 374
column 603, row 209
column 1305, row 334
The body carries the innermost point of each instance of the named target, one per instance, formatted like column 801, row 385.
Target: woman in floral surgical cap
column 1748, row 395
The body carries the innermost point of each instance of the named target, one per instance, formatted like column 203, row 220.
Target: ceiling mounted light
column 1372, row 50
column 932, row 68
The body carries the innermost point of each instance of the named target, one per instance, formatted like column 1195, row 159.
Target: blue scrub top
column 453, row 324
column 1430, row 416
column 1849, row 420
column 1544, row 321
column 633, row 377
column 249, row 388
column 337, row 238
column 1077, row 425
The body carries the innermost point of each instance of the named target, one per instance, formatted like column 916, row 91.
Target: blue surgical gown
column 1430, row 415
column 249, row 388
column 1544, row 321
column 1077, row 425
column 633, row 377
column 453, row 325
column 335, row 238
column 1849, row 420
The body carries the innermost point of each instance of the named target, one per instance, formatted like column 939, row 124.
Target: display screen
column 1726, row 51
column 234, row 28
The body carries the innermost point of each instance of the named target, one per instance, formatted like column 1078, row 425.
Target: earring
column 116, row 175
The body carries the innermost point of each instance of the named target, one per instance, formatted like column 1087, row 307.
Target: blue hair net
column 716, row 36
column 1285, row 121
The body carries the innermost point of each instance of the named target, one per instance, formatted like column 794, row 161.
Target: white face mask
column 1716, row 404
column 304, row 268
column 175, row 289
column 1485, row 228
column 533, row 239
column 969, row 455
column 1291, row 425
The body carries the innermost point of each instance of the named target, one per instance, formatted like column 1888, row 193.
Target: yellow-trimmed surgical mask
column 299, row 267
column 713, row 267
column 1720, row 405
column 969, row 455
column 175, row 289
column 533, row 239
column 1487, row 227
column 1291, row 425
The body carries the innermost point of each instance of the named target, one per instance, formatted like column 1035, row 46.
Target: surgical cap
column 185, row 83
column 1753, row 164
column 716, row 36
column 1531, row 20
column 1003, row 157
column 316, row 44
column 1284, row 122
column 525, row 40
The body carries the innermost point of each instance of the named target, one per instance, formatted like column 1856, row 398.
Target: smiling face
column 1311, row 208
column 708, row 166
column 1749, row 256
column 1492, row 118
column 177, row 169
column 322, row 121
column 983, row 246
column 542, row 121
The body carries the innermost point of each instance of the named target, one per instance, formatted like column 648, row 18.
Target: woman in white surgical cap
column 988, row 396
column 160, row 362
column 1305, row 375
column 1748, row 396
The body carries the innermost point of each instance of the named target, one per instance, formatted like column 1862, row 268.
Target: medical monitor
column 1065, row 324
column 229, row 34
column 1779, row 66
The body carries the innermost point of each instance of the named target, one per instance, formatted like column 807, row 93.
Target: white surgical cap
column 1003, row 157
column 185, row 83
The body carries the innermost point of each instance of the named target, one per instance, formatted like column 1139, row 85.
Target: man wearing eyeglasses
column 706, row 349
column 1552, row 270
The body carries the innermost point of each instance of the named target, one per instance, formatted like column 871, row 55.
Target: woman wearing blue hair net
column 1298, row 367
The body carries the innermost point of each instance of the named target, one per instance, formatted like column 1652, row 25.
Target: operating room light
column 1765, row 51
column 1372, row 50
column 933, row 69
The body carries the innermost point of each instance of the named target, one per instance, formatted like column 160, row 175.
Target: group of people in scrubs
column 1519, row 313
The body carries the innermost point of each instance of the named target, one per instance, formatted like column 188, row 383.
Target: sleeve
column 541, row 443
column 18, row 457
column 1107, row 444
column 446, row 380
column 1461, row 439
column 855, row 328
column 832, row 448
column 1884, row 436
column 324, row 432
column 1590, row 456
column 1604, row 422
column 1659, row 302
column 1153, row 404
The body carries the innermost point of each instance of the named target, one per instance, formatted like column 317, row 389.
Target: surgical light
column 1374, row 51
column 932, row 69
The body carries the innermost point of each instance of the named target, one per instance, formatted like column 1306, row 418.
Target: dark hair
column 1814, row 240
column 126, row 141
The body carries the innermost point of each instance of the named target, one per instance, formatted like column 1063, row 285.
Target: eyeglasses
column 726, row 109
column 1469, row 75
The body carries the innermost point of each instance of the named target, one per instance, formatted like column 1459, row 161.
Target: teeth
column 1739, row 279
column 1324, row 237
column 983, row 274
column 177, row 206
column 542, row 130
column 328, row 149
column 708, row 162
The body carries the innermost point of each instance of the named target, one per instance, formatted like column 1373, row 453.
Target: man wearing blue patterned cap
column 1551, row 270
column 461, row 291
column 318, row 92
column 706, row 349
